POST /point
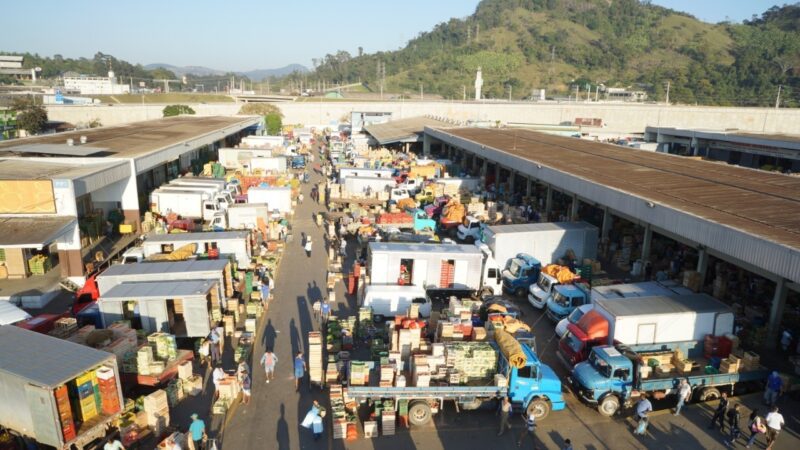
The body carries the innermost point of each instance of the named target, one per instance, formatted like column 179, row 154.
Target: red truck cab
column 577, row 342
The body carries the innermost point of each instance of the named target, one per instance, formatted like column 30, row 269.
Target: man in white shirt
column 684, row 392
column 216, row 376
column 774, row 424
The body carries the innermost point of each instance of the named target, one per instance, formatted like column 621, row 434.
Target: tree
column 177, row 110
column 274, row 123
column 30, row 116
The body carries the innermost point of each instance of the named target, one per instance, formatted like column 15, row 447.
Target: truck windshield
column 544, row 282
column 573, row 342
column 561, row 299
column 600, row 365
column 514, row 268
column 575, row 315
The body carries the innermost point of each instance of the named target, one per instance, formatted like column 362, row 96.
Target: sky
column 244, row 35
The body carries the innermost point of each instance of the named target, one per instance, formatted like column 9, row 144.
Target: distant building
column 12, row 66
column 95, row 85
column 623, row 94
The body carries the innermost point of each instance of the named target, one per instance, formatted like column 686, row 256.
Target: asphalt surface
column 272, row 419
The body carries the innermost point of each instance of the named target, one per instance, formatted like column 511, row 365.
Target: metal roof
column 193, row 265
column 56, row 149
column 424, row 248
column 158, row 290
column 749, row 215
column 32, row 232
column 786, row 141
column 45, row 168
column 543, row 226
column 56, row 361
column 403, row 130
column 10, row 313
column 197, row 236
column 661, row 304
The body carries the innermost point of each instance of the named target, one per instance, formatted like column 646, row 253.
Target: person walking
column 567, row 444
column 530, row 430
column 719, row 413
column 316, row 308
column 308, row 247
column 774, row 385
column 300, row 199
column 684, row 392
column 213, row 339
column 113, row 444
column 643, row 408
column 216, row 376
column 245, row 384
column 343, row 248
column 198, row 431
column 757, row 427
column 299, row 370
column 733, row 424
column 774, row 424
column 325, row 312
column 268, row 361
column 505, row 412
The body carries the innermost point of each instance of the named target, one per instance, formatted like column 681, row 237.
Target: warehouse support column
column 608, row 220
column 484, row 167
column 426, row 145
column 573, row 213
column 528, row 187
column 776, row 313
column 129, row 201
column 646, row 242
column 702, row 263
column 405, row 147
column 70, row 259
column 548, row 203
column 512, row 178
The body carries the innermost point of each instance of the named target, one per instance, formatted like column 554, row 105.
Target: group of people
column 505, row 410
column 770, row 425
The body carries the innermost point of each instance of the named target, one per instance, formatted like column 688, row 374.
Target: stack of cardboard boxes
column 156, row 408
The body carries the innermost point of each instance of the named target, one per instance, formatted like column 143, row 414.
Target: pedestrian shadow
column 557, row 439
column 282, row 433
column 294, row 335
column 269, row 335
column 670, row 437
column 313, row 292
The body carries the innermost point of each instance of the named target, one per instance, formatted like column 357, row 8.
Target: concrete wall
column 624, row 118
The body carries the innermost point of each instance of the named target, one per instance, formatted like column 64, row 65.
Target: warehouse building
column 63, row 194
column 776, row 152
column 722, row 229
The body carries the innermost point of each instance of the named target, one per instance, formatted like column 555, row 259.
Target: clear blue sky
column 250, row 34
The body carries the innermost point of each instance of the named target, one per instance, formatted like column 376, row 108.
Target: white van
column 394, row 300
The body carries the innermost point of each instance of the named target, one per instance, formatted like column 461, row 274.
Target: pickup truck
column 471, row 230
column 611, row 378
column 535, row 389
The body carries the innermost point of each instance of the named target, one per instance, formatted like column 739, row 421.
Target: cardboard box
column 185, row 370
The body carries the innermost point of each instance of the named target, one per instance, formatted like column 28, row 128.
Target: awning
column 403, row 130
column 33, row 232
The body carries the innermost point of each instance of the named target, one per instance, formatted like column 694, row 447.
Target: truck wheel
column 608, row 406
column 520, row 292
column 539, row 407
column 419, row 413
column 709, row 394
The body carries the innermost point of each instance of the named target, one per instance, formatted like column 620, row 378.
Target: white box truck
column 278, row 198
column 231, row 158
column 547, row 242
column 223, row 197
column 234, row 243
column 274, row 164
column 358, row 186
column 393, row 300
column 347, row 172
column 188, row 204
column 241, row 216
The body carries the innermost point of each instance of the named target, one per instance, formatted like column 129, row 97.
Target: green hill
column 558, row 44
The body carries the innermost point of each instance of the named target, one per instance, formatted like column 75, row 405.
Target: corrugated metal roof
column 423, row 248
column 10, row 313
column 32, row 232
column 663, row 305
column 410, row 129
column 195, row 265
column 198, row 236
column 144, row 290
column 749, row 215
column 776, row 140
column 56, row 361
column 56, row 149
column 45, row 168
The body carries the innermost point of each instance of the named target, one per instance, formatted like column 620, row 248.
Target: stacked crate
column 64, row 327
column 65, row 413
column 315, row 371
column 228, row 281
column 87, row 406
column 750, row 361
column 185, row 370
column 473, row 360
column 156, row 408
column 338, row 412
column 164, row 346
column 109, row 394
column 388, row 419
column 359, row 373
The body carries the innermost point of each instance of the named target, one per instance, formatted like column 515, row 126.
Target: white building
column 95, row 85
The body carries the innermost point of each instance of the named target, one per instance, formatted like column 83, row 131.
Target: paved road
column 272, row 418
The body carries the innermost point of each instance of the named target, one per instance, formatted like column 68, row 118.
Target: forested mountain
column 558, row 44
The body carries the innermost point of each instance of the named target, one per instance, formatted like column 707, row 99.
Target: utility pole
column 509, row 92
column 778, row 99
column 668, row 85
column 421, row 92
column 588, row 93
column 596, row 93
column 464, row 88
column 577, row 93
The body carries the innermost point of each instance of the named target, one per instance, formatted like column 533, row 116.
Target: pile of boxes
column 163, row 345
column 64, row 327
column 731, row 364
column 156, row 408
column 473, row 360
column 359, row 373
column 751, row 361
column 315, row 371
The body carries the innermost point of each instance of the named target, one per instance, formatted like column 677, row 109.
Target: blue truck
column 565, row 298
column 534, row 389
column 520, row 272
column 612, row 377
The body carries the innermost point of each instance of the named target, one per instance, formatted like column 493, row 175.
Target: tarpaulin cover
column 510, row 348
column 561, row 273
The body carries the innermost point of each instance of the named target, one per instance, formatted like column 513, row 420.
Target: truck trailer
column 69, row 402
column 278, row 198
column 185, row 203
column 241, row 216
column 360, row 186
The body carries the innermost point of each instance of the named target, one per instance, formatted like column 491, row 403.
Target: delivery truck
column 223, row 197
column 533, row 388
column 69, row 402
column 615, row 376
column 347, row 172
column 645, row 323
column 278, row 198
column 367, row 186
column 223, row 243
column 440, row 266
column 273, row 164
column 185, row 203
column 232, row 158
column 218, row 183
column 241, row 216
